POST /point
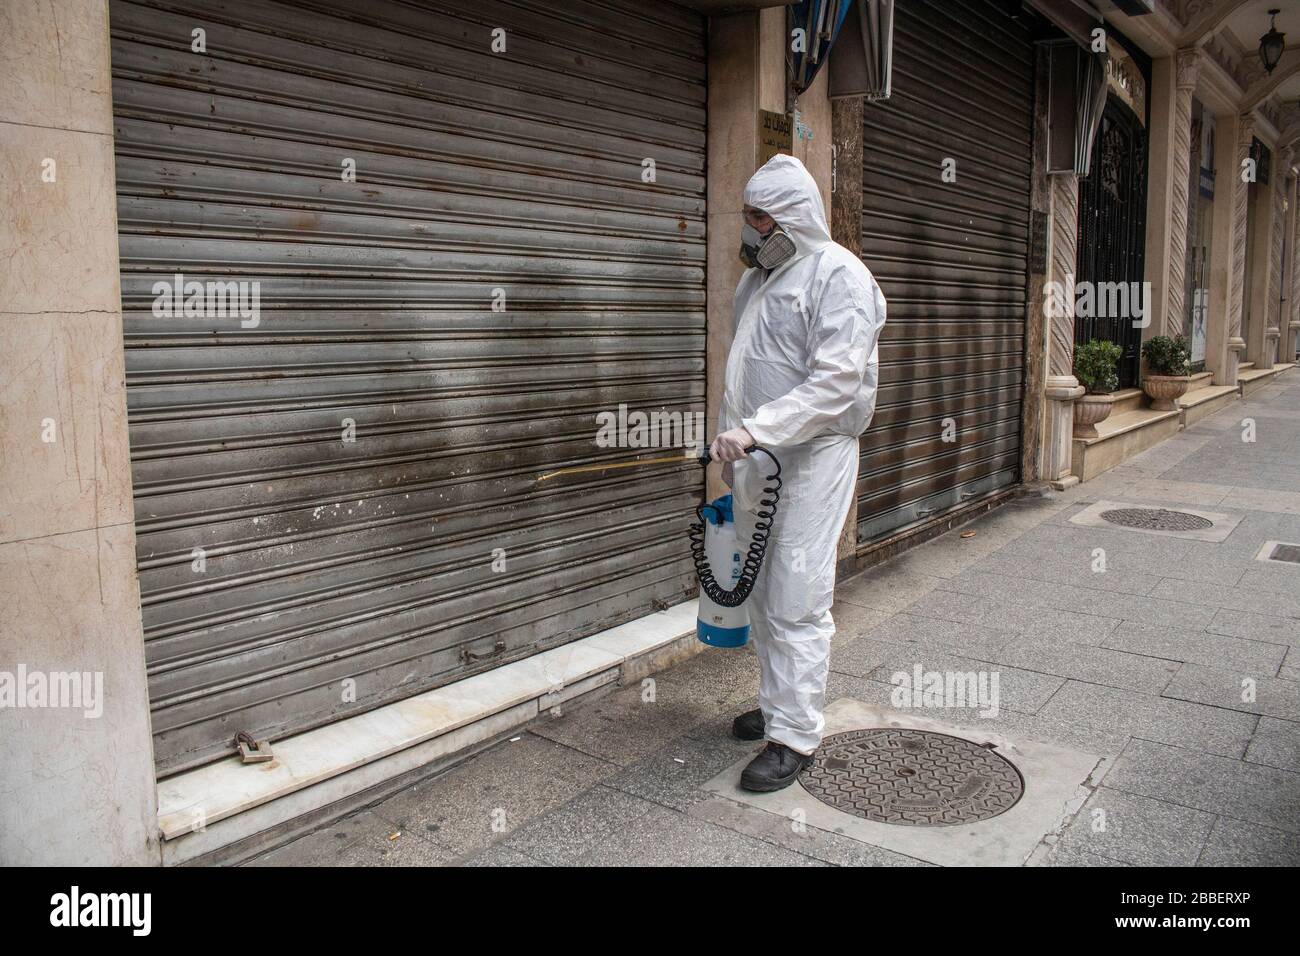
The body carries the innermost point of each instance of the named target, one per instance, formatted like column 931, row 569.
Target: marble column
column 1062, row 388
column 1187, row 67
column 76, row 772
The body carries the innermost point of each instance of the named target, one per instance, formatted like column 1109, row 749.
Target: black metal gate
column 1112, row 238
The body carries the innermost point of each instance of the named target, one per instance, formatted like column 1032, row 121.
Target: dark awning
column 863, row 60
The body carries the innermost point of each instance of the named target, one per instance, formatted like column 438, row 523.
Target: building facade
column 300, row 309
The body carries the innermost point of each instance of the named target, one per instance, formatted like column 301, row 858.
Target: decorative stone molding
column 1276, row 242
column 1240, row 201
column 1188, row 67
column 1219, row 50
column 1065, row 240
column 1293, row 304
column 1061, row 387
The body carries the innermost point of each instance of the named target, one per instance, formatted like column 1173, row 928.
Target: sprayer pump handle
column 706, row 459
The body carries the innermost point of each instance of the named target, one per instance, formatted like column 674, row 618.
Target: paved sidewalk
column 1142, row 665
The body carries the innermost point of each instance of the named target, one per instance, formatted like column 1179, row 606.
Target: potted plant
column 1094, row 367
column 1168, row 367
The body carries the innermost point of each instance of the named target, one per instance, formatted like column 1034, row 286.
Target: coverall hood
column 786, row 191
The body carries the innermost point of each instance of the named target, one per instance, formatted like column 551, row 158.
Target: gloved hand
column 731, row 445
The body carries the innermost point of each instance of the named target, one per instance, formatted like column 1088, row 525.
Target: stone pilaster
column 1240, row 206
column 1273, row 332
column 1291, row 320
column 1180, row 166
column 1062, row 388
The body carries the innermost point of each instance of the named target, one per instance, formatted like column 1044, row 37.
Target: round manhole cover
column 912, row 777
column 1156, row 519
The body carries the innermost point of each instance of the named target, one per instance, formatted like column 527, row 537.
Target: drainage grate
column 913, row 777
column 1286, row 552
column 1156, row 519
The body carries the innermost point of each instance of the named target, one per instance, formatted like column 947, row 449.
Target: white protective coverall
column 801, row 378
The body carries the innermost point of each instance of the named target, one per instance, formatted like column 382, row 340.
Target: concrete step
column 1251, row 379
column 1120, row 437
column 1127, row 400
column 1206, row 400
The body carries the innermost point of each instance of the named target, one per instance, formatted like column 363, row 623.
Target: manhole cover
column 912, row 777
column 1156, row 519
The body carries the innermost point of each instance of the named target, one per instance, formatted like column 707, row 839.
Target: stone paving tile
column 1194, row 647
column 563, row 835
column 1239, row 598
column 955, row 637
column 672, row 776
column 710, row 679
column 1176, row 722
column 362, row 839
column 1222, row 785
column 790, row 835
column 1073, row 569
column 890, row 587
column 1072, row 856
column 859, row 657
column 1138, row 830
column 1193, row 493
column 498, row 855
column 1272, row 576
column 1082, row 600
column 664, row 837
column 1022, row 690
column 622, row 727
column 1235, row 843
column 1028, row 619
column 1256, row 627
column 1220, row 687
column 1069, row 734
column 469, row 807
column 1066, row 539
column 853, row 620
column 1095, row 665
column 1276, row 744
column 1249, row 536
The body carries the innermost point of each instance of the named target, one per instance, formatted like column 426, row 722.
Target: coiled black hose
column 765, row 516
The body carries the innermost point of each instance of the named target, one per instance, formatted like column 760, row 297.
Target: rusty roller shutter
column 279, row 562
column 951, row 259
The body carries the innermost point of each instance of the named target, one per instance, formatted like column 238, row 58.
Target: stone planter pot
column 1089, row 409
column 1165, row 390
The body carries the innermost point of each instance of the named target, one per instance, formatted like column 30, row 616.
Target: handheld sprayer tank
column 720, row 551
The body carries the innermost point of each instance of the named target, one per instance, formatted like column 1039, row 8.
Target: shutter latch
column 253, row 751
column 469, row 657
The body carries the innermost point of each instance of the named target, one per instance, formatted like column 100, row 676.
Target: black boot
column 774, row 769
column 748, row 726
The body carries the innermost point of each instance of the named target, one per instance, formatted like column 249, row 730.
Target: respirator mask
column 765, row 252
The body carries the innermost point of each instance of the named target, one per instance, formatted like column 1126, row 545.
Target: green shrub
column 1167, row 356
column 1094, row 366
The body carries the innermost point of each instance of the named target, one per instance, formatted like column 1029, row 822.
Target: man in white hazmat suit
column 801, row 380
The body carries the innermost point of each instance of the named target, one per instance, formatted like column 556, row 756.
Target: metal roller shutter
column 373, row 560
column 950, row 257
